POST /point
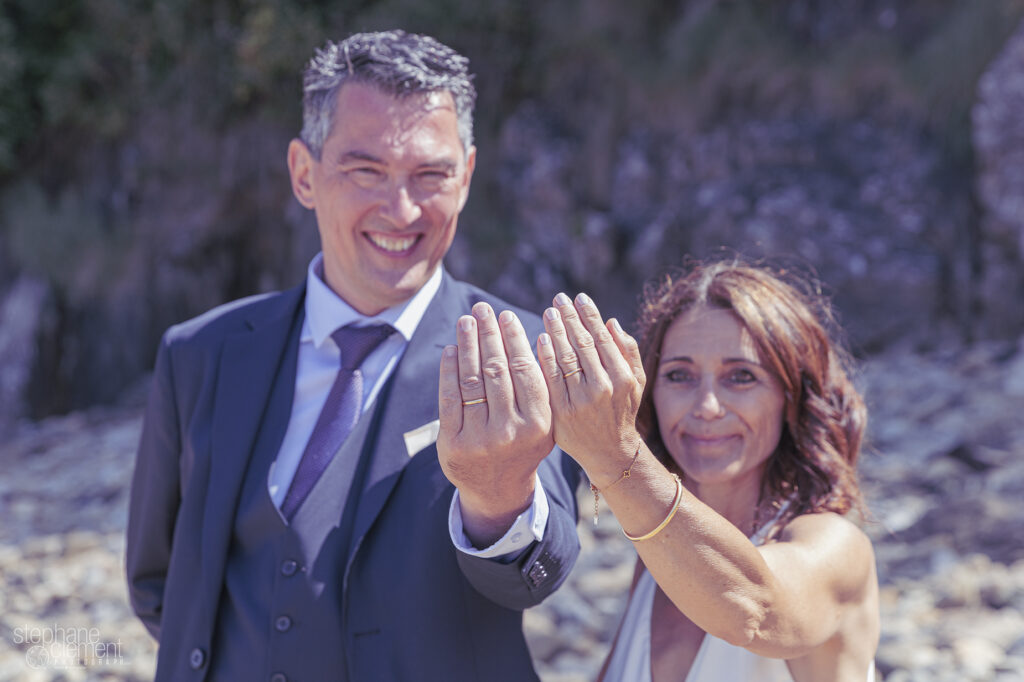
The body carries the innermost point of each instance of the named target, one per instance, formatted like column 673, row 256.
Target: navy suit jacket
column 415, row 607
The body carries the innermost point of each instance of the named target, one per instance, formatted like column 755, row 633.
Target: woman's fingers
column 557, row 391
column 582, row 355
column 607, row 349
column 630, row 350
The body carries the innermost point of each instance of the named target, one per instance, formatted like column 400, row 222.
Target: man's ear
column 300, row 167
column 470, row 165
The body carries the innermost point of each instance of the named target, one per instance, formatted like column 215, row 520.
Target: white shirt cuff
column 528, row 527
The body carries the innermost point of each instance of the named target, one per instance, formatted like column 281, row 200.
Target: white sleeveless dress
column 716, row 661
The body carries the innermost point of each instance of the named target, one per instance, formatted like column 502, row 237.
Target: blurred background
column 879, row 143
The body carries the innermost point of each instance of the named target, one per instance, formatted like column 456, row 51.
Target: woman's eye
column 678, row 375
column 742, row 376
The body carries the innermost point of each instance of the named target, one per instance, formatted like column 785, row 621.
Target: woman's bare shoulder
column 833, row 540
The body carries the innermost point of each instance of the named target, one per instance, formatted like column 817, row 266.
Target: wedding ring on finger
column 566, row 375
column 474, row 401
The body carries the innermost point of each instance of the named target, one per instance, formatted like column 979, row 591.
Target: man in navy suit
column 380, row 569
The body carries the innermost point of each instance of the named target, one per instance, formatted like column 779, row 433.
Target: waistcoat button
column 283, row 623
column 278, row 677
column 196, row 658
column 289, row 567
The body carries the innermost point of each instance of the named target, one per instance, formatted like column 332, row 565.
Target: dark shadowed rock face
column 998, row 138
column 860, row 203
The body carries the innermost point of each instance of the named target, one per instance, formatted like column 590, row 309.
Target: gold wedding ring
column 475, row 401
column 566, row 375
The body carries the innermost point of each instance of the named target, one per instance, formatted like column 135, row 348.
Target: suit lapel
column 250, row 362
column 410, row 402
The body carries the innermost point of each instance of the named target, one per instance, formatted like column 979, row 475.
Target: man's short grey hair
column 396, row 62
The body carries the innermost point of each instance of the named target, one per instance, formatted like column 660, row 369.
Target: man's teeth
column 394, row 244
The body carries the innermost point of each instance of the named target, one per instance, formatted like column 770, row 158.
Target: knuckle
column 489, row 330
column 495, row 368
column 557, row 331
column 567, row 357
column 585, row 340
column 470, row 383
column 521, row 364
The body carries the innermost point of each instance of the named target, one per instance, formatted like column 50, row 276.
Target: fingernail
column 482, row 311
column 561, row 299
column 507, row 317
column 583, row 299
column 466, row 323
column 450, row 351
column 615, row 323
column 544, row 339
column 551, row 314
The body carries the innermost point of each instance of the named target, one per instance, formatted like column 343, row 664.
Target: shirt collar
column 326, row 311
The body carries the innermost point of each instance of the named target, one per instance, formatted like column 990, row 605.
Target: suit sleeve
column 155, row 497
column 545, row 565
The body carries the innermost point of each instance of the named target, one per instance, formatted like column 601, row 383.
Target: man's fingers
column 493, row 362
column 449, row 397
column 471, row 384
column 530, row 392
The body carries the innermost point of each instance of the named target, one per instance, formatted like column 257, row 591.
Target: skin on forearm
column 781, row 600
column 703, row 563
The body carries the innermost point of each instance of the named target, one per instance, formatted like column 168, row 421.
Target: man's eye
column 432, row 178
column 365, row 176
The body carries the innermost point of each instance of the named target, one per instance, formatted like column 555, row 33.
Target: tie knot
column 358, row 342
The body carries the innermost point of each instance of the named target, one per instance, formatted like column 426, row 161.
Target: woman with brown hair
column 726, row 444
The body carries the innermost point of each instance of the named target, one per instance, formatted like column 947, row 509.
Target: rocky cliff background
column 878, row 142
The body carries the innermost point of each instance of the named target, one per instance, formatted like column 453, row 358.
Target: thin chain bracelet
column 625, row 474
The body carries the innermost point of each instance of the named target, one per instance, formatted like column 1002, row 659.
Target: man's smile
column 390, row 244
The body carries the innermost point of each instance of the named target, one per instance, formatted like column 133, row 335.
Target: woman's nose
column 708, row 405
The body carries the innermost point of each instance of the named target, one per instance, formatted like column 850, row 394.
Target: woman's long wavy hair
column 797, row 338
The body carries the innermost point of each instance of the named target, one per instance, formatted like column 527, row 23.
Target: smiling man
column 290, row 516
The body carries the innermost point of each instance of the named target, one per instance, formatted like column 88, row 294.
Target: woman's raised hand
column 595, row 380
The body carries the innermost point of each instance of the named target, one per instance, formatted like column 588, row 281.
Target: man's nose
column 400, row 207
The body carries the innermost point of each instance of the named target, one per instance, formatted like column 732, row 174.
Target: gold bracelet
column 671, row 513
column 625, row 474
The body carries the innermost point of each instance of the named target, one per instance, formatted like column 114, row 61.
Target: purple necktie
column 341, row 411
